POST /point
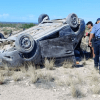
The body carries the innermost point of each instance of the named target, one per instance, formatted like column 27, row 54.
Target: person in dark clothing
column 96, row 31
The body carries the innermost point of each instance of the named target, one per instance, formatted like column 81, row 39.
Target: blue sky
column 29, row 10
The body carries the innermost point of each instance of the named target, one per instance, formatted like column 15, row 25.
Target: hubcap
column 74, row 20
column 25, row 42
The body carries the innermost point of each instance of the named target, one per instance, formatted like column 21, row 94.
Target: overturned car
column 49, row 39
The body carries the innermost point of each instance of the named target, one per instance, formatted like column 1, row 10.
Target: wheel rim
column 25, row 42
column 74, row 20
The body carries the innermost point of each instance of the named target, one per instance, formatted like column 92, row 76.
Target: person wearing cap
column 85, row 41
column 96, row 32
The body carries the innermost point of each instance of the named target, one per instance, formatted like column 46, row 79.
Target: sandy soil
column 59, row 89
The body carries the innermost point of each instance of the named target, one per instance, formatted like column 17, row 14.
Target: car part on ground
column 50, row 39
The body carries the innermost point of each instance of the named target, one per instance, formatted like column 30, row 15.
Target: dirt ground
column 57, row 83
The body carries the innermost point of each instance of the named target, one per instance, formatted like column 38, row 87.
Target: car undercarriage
column 55, row 39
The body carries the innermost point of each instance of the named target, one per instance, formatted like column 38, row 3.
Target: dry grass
column 48, row 77
column 95, row 78
column 36, row 75
column 5, row 73
column 71, row 79
column 23, row 69
column 17, row 76
column 33, row 76
column 95, row 89
column 27, row 70
column 64, row 81
column 74, row 79
column 8, row 71
column 79, row 79
column 2, row 79
column 84, row 61
column 31, row 72
column 49, row 64
column 67, row 64
column 76, row 92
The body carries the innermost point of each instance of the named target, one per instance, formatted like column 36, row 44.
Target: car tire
column 72, row 20
column 34, row 55
column 24, row 43
column 2, row 36
column 41, row 17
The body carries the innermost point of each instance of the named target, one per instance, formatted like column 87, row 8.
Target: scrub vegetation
column 66, row 81
column 77, row 82
column 8, row 29
column 18, row 25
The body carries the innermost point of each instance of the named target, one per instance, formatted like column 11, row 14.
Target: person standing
column 96, row 31
column 89, row 26
column 85, row 41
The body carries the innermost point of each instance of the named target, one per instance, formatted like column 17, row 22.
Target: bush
column 19, row 25
column 27, row 25
column 7, row 32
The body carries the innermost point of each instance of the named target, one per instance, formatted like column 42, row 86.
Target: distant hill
column 23, row 25
column 17, row 22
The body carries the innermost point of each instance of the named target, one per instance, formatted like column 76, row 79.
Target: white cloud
column 4, row 15
column 31, row 16
column 25, row 18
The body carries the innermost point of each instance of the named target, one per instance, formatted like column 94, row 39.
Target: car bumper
column 12, row 58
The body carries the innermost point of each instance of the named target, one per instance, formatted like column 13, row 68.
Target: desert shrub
column 1, row 79
column 7, row 32
column 27, row 25
column 17, row 25
column 76, row 92
column 7, row 25
column 31, row 72
column 67, row 64
column 49, row 64
column 96, row 89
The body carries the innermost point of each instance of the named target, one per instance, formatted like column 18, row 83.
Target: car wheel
column 41, row 17
column 72, row 20
column 34, row 55
column 2, row 36
column 24, row 43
